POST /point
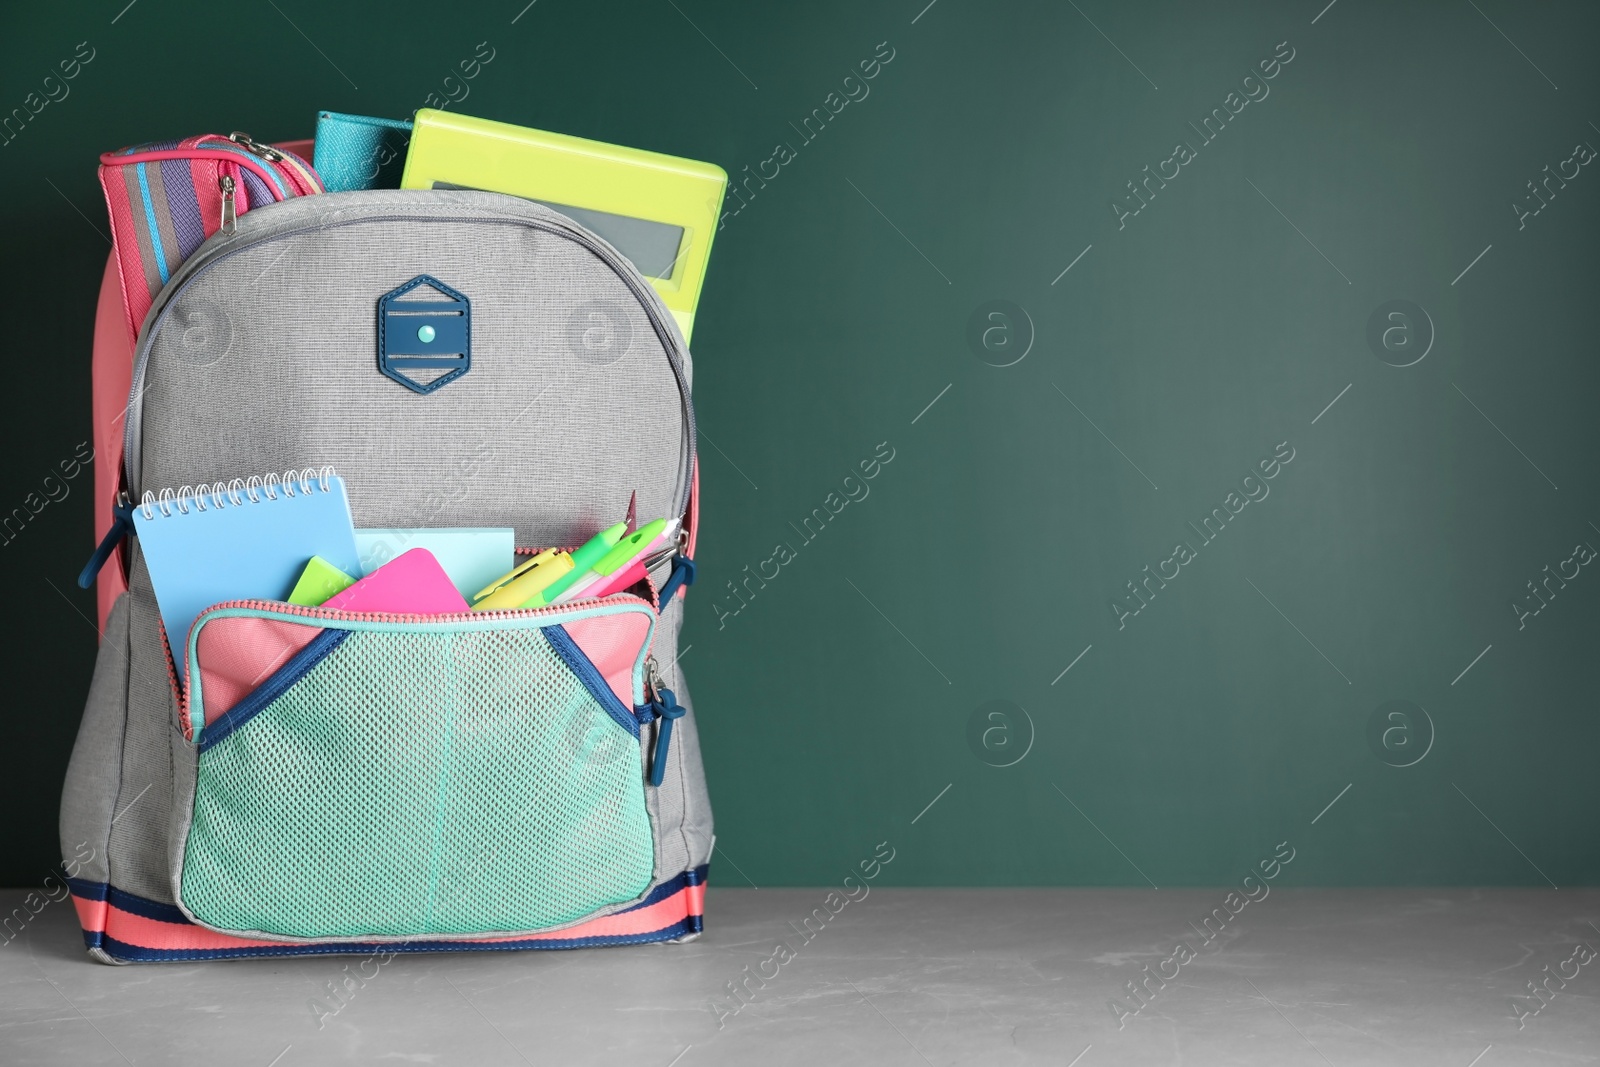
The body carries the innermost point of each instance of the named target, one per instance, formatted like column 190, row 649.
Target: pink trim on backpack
column 112, row 378
column 98, row 917
column 92, row 914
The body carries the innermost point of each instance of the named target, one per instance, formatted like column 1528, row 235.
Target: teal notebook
column 244, row 541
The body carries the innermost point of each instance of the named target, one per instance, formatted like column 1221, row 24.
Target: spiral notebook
column 246, row 540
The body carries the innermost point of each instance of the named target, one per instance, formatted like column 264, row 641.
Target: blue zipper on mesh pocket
column 579, row 664
column 662, row 705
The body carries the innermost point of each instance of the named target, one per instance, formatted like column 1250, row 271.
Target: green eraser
column 319, row 581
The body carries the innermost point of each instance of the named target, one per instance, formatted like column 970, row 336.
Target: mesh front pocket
column 420, row 783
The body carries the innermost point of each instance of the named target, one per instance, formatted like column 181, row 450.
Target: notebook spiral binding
column 237, row 492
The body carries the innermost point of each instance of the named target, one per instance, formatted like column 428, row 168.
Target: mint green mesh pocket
column 415, row 784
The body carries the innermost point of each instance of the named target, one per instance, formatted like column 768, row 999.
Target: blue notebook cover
column 205, row 546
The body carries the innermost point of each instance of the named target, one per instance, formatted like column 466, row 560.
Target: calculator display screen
column 652, row 247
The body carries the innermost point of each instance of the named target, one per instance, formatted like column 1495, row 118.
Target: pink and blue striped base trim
column 132, row 929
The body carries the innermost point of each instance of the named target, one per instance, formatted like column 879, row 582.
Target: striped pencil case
column 166, row 197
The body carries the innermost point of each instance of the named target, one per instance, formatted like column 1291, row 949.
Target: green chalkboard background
column 852, row 310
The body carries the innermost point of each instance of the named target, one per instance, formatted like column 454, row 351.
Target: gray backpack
column 520, row 779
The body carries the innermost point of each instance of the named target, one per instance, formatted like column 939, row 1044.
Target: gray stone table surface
column 903, row 976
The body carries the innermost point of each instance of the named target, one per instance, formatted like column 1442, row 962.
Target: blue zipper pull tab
column 682, row 575
column 121, row 526
column 669, row 711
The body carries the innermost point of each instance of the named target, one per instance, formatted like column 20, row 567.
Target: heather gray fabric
column 571, row 404
column 686, row 770
column 682, row 806
column 89, row 796
column 138, row 847
column 261, row 356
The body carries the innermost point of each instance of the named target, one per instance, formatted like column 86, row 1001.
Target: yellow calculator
column 660, row 211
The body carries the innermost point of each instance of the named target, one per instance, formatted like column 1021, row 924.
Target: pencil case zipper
column 284, row 174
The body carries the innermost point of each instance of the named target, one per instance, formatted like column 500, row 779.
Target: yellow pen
column 516, row 588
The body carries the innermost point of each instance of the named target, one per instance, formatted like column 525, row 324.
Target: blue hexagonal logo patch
column 424, row 334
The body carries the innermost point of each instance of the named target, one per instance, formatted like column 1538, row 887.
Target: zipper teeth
column 310, row 179
column 340, row 615
column 287, row 165
column 646, row 296
column 234, row 149
column 301, row 179
column 181, row 693
column 204, row 152
column 296, row 169
column 655, row 592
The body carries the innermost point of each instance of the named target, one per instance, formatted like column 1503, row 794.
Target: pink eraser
column 412, row 583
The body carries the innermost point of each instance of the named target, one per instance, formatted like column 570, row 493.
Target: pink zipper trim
column 180, row 695
column 297, row 171
column 285, row 608
column 111, row 159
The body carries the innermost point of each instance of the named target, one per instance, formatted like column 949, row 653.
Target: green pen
column 627, row 552
column 583, row 560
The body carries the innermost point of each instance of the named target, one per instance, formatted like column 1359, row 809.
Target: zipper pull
column 255, row 147
column 230, row 217
column 666, row 706
column 121, row 526
column 682, row 575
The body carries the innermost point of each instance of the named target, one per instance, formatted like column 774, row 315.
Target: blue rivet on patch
column 420, row 335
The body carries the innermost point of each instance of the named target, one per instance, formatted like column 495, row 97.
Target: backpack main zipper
column 133, row 424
